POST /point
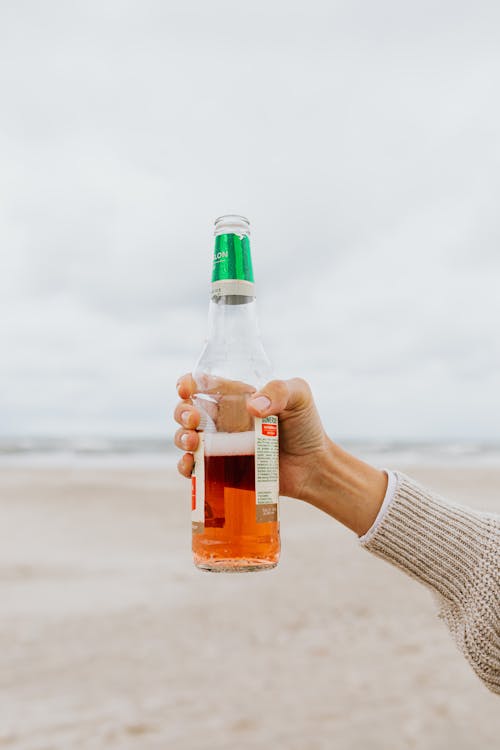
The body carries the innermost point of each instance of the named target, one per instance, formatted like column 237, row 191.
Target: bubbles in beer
column 230, row 443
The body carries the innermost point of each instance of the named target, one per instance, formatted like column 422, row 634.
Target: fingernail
column 261, row 403
column 185, row 416
column 184, row 440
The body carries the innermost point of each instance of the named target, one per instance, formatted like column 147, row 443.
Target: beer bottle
column 235, row 481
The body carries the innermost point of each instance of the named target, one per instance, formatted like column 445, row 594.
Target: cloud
column 362, row 141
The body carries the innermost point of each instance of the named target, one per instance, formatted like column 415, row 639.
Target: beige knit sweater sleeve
column 455, row 551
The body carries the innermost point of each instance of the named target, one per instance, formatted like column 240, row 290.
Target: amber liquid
column 233, row 539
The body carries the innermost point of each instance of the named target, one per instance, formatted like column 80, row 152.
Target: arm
column 454, row 551
column 451, row 549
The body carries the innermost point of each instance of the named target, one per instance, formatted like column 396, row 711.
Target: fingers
column 272, row 399
column 186, row 386
column 185, row 465
column 212, row 384
column 278, row 396
column 186, row 415
column 186, row 440
column 211, row 400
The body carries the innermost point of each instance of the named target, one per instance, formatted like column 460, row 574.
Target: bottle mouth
column 232, row 224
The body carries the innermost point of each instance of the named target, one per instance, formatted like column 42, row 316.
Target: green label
column 232, row 258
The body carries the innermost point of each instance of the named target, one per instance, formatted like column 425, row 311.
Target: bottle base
column 236, row 565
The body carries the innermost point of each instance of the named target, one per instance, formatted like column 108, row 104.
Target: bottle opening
column 232, row 224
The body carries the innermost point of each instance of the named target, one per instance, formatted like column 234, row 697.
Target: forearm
column 346, row 488
column 455, row 551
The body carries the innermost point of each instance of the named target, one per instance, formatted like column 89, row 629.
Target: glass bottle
column 235, row 483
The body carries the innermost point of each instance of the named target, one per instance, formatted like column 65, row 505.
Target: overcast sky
column 362, row 139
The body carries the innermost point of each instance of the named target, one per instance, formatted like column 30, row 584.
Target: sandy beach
column 109, row 638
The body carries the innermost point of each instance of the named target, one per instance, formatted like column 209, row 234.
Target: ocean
column 161, row 452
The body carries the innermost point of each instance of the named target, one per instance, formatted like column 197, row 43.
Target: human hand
column 302, row 438
column 312, row 467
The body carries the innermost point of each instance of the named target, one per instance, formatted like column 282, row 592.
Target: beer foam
column 229, row 443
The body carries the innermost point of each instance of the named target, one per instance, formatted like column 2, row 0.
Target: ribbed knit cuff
column 455, row 551
column 441, row 544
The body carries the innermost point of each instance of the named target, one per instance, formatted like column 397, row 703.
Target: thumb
column 278, row 396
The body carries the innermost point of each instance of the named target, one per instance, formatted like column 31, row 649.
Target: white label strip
column 233, row 286
column 266, row 460
column 198, row 484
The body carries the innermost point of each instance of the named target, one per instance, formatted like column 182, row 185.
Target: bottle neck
column 232, row 272
column 232, row 322
column 233, row 349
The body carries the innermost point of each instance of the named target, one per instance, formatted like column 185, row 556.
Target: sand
column 109, row 638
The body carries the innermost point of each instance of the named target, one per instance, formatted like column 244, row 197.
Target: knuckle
column 279, row 387
column 192, row 439
column 186, row 439
column 181, row 406
column 194, row 417
column 302, row 384
column 278, row 390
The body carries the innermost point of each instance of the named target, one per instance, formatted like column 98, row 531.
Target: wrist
column 348, row 489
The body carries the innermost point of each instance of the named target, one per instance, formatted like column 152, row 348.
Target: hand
column 302, row 440
column 312, row 467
